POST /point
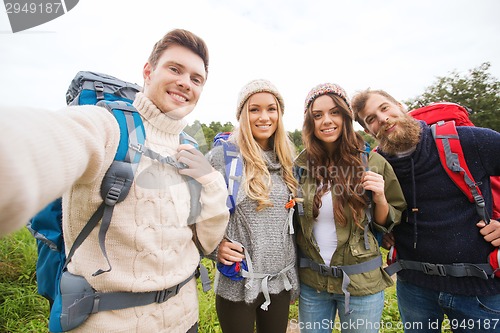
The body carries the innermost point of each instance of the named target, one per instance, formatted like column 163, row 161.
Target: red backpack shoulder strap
column 452, row 158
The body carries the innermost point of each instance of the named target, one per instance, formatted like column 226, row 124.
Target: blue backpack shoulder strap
column 219, row 138
column 131, row 130
column 234, row 170
column 186, row 138
column 120, row 175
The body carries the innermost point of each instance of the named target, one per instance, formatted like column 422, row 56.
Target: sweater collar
column 271, row 160
column 158, row 121
column 421, row 151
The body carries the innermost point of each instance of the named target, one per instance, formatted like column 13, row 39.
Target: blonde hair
column 257, row 184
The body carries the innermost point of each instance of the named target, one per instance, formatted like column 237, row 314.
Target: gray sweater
column 265, row 235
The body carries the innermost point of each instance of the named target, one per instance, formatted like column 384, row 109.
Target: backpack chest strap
column 336, row 271
column 481, row 271
column 265, row 279
column 342, row 272
column 77, row 306
column 250, row 275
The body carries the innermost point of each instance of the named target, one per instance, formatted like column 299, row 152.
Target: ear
column 367, row 131
column 146, row 72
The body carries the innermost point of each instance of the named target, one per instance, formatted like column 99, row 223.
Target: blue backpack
column 233, row 171
column 234, row 167
column 71, row 297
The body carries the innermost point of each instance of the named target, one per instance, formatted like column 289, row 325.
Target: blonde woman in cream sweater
column 47, row 154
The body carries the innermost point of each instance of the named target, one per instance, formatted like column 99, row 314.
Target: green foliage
column 368, row 138
column 204, row 134
column 18, row 255
column 21, row 308
column 208, row 315
column 296, row 137
column 477, row 90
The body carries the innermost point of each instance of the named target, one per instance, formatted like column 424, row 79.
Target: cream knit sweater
column 148, row 243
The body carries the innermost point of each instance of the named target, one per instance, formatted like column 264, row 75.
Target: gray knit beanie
column 257, row 86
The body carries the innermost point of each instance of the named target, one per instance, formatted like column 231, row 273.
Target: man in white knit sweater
column 46, row 154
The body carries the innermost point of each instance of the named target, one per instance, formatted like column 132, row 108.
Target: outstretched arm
column 45, row 152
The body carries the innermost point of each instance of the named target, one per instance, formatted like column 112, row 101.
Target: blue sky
column 399, row 46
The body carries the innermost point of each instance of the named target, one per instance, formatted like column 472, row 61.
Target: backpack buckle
column 433, row 269
column 113, row 195
column 163, row 295
column 330, row 271
column 479, row 200
column 324, row 270
column 99, row 90
column 137, row 148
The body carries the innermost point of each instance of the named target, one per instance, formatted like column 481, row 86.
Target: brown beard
column 405, row 137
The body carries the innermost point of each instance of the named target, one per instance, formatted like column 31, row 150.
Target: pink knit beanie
column 326, row 88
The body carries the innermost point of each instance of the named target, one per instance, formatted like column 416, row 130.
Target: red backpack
column 443, row 117
column 447, row 112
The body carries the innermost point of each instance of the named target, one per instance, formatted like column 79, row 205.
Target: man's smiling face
column 175, row 84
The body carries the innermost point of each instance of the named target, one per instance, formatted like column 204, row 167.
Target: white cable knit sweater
column 149, row 245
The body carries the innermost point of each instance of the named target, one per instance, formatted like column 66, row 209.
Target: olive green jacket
column 350, row 238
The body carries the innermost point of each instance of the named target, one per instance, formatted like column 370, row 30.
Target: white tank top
column 324, row 229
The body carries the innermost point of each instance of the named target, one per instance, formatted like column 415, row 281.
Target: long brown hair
column 339, row 172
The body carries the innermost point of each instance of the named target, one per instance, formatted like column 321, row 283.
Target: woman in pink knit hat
column 346, row 191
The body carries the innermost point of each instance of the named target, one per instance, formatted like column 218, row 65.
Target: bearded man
column 443, row 229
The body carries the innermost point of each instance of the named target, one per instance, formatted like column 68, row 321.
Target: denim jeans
column 317, row 311
column 423, row 310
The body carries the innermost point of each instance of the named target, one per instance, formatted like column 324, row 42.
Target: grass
column 23, row 310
